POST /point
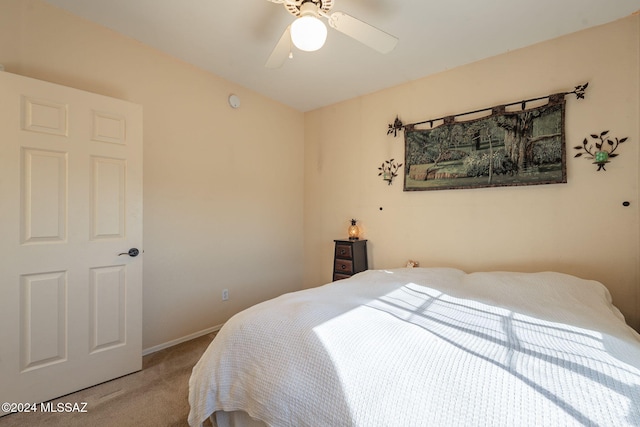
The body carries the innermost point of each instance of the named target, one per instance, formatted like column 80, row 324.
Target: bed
column 425, row 346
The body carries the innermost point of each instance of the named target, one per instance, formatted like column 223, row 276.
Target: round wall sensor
column 234, row 101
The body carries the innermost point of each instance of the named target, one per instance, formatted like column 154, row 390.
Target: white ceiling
column 234, row 38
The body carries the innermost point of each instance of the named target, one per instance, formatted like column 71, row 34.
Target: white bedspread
column 417, row 347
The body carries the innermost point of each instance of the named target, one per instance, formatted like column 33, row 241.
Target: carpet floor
column 155, row 396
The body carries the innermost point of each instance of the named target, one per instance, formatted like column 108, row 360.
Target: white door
column 70, row 203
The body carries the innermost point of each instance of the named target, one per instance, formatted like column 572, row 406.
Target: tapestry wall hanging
column 504, row 148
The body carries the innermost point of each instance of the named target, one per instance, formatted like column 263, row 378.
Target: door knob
column 133, row 252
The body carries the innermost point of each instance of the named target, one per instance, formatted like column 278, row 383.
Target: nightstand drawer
column 343, row 266
column 338, row 276
column 343, row 251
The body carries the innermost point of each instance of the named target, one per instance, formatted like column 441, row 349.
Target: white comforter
column 417, row 347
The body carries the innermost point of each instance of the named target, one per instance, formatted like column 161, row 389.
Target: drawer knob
column 342, row 251
column 344, row 267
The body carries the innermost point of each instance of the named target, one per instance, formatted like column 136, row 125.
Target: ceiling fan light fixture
column 308, row 33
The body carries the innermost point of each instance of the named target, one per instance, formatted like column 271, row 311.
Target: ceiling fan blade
column 364, row 33
column 281, row 52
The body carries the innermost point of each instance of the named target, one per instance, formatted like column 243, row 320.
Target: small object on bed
column 418, row 346
column 412, row 264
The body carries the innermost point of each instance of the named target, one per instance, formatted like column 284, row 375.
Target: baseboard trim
column 177, row 341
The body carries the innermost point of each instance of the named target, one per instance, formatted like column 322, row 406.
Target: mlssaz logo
column 63, row 407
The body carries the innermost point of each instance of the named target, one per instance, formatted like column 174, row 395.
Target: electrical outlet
column 225, row 294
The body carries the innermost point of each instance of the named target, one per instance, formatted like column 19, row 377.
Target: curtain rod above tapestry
column 398, row 126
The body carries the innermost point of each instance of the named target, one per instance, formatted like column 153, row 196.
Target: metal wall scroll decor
column 389, row 170
column 507, row 147
column 601, row 154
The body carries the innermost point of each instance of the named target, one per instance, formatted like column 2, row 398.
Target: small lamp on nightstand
column 354, row 231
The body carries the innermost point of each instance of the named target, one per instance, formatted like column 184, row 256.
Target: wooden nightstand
column 350, row 257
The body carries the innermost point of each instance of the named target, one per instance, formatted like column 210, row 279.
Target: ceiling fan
column 309, row 33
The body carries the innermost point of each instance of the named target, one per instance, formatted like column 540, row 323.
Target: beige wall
column 223, row 192
column 580, row 227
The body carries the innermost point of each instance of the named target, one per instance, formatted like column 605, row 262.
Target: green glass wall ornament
column 389, row 170
column 600, row 150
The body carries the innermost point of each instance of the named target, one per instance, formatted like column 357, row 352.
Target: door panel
column 43, row 326
column 39, row 115
column 71, row 188
column 108, row 308
column 44, row 196
column 108, row 198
